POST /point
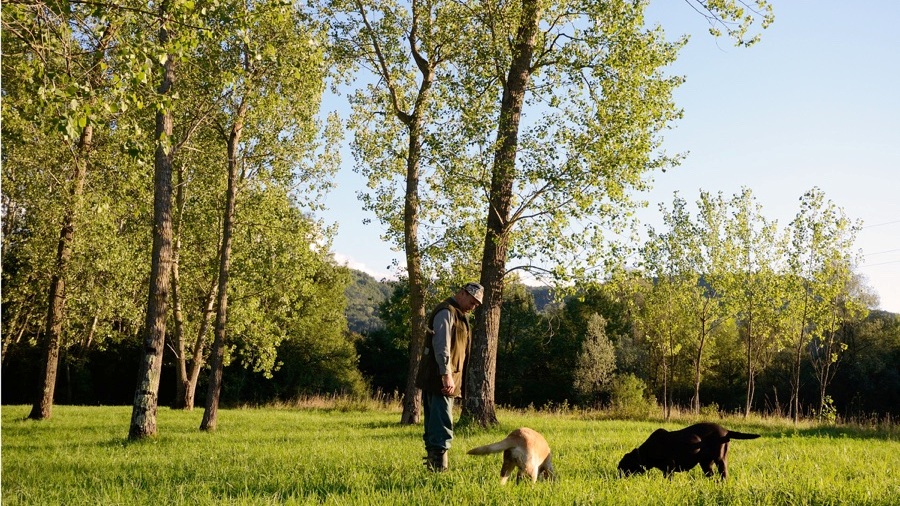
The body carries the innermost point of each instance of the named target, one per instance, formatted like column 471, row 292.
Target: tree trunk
column 695, row 402
column 190, row 386
column 795, row 379
column 177, row 314
column 665, row 394
column 749, row 368
column 146, row 395
column 43, row 403
column 479, row 402
column 217, row 356
column 86, row 344
column 795, row 383
column 412, row 400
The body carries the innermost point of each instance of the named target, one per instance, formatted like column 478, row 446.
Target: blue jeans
column 438, row 411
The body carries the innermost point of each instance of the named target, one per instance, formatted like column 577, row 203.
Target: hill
column 365, row 293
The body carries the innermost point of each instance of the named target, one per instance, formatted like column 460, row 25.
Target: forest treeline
column 719, row 308
column 163, row 169
column 587, row 352
column 539, row 361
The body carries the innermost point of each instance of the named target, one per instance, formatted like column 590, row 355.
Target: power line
column 882, row 252
column 881, row 224
column 882, row 263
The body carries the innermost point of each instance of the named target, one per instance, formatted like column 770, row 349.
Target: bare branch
column 385, row 73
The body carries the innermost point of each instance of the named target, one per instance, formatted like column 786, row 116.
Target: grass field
column 334, row 456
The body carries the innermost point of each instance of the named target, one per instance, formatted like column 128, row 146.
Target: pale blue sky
column 813, row 104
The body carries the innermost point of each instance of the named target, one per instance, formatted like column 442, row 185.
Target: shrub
column 711, row 410
column 628, row 397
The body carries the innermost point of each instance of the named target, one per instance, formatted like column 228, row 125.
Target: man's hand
column 449, row 387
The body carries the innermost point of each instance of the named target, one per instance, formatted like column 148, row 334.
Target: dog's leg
column 722, row 464
column 506, row 470
column 707, row 469
column 547, row 472
column 519, row 476
column 532, row 472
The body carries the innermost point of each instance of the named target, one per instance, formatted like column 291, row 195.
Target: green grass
column 319, row 456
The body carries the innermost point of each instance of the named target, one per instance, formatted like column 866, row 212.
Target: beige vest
column 428, row 377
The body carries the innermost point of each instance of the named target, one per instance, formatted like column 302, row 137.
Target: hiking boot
column 437, row 460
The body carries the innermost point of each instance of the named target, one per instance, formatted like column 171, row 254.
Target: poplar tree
column 405, row 48
column 58, row 52
column 751, row 288
column 267, row 70
column 577, row 96
column 177, row 33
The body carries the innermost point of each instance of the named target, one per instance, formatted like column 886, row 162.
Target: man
column 441, row 372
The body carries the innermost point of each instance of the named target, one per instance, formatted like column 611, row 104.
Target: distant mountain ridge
column 365, row 293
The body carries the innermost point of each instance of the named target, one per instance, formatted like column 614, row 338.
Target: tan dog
column 524, row 449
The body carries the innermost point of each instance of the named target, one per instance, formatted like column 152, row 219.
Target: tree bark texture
column 193, row 376
column 146, row 395
column 210, row 414
column 43, row 404
column 177, row 313
column 479, row 403
column 412, row 400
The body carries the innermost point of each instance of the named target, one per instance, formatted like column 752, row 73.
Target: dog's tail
column 497, row 447
column 740, row 435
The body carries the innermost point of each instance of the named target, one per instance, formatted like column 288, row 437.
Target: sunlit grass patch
column 333, row 455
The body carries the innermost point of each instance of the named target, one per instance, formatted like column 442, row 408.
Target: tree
column 60, row 54
column 751, row 286
column 406, row 48
column 709, row 309
column 821, row 238
column 597, row 360
column 671, row 263
column 594, row 139
column 843, row 305
column 170, row 45
column 271, row 75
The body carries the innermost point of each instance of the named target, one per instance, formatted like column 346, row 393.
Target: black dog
column 681, row 450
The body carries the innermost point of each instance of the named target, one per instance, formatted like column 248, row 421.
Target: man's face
column 466, row 301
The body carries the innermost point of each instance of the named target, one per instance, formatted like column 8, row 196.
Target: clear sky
column 814, row 103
